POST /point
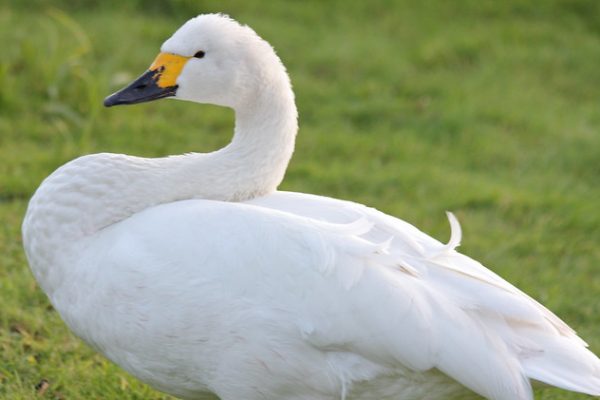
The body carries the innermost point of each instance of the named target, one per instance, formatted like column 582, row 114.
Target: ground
column 486, row 109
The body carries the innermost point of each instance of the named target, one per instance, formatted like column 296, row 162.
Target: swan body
column 195, row 275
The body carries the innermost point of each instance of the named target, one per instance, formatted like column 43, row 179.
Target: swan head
column 210, row 59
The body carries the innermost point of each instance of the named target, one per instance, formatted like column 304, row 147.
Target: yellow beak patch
column 168, row 67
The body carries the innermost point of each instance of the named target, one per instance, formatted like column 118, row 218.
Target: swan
column 194, row 274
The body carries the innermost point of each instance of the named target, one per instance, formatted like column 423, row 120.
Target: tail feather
column 565, row 364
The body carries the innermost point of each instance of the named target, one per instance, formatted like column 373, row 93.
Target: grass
column 488, row 109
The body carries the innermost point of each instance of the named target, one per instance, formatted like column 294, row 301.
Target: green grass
column 488, row 109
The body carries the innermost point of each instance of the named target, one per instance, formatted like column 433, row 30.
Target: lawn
column 488, row 109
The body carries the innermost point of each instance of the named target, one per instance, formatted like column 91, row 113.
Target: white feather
column 193, row 274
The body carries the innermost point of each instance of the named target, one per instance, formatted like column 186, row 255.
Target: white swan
column 194, row 274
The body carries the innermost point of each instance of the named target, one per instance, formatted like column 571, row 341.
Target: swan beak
column 158, row 82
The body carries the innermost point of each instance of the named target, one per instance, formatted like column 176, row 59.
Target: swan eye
column 199, row 54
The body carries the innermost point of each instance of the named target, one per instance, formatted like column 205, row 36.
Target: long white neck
column 253, row 164
column 96, row 191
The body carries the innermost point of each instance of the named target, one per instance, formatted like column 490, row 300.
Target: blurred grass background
column 489, row 109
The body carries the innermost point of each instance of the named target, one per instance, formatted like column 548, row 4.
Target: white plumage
column 194, row 274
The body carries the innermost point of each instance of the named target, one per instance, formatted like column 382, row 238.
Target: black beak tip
column 110, row 101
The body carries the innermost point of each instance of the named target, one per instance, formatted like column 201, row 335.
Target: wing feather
column 440, row 309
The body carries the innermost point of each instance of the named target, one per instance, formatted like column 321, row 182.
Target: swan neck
column 269, row 116
column 263, row 143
